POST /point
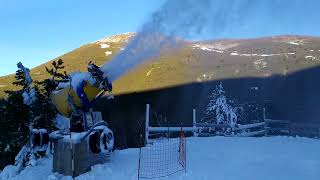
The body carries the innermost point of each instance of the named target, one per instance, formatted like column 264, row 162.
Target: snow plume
column 211, row 19
column 185, row 19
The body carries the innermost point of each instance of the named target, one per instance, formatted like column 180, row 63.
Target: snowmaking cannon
column 88, row 140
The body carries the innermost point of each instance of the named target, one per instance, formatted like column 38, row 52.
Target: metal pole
column 72, row 154
column 265, row 121
column 147, row 124
column 194, row 120
column 185, row 154
column 139, row 163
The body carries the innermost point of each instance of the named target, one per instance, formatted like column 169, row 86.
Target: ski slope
column 215, row 158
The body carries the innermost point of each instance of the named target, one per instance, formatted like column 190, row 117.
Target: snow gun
column 75, row 99
column 82, row 91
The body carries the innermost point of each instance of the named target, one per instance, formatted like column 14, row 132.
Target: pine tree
column 16, row 126
column 43, row 110
column 16, row 114
column 220, row 110
column 50, row 84
column 22, row 77
column 30, row 107
column 54, row 72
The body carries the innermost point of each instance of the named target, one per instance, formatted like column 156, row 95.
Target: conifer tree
column 220, row 110
column 43, row 112
column 22, row 77
column 15, row 117
column 51, row 83
column 16, row 126
column 43, row 109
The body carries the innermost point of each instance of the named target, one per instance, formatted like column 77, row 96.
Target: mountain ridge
column 196, row 61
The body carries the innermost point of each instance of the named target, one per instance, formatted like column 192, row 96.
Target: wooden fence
column 266, row 127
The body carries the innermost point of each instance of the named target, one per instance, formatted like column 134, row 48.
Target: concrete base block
column 83, row 158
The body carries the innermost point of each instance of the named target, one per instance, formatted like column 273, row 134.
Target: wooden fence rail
column 268, row 127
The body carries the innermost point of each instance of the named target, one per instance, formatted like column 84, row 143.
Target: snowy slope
column 221, row 158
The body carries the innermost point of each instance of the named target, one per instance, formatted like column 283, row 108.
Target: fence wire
column 163, row 158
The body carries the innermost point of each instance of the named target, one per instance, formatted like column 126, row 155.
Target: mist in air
column 214, row 19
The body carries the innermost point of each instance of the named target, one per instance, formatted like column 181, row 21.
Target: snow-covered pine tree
column 219, row 110
column 17, row 115
column 22, row 77
column 29, row 107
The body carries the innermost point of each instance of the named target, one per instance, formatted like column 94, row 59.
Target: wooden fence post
column 194, row 121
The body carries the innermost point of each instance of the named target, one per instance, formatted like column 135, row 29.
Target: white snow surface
column 207, row 47
column 108, row 53
column 29, row 97
column 104, row 45
column 311, row 57
column 78, row 77
column 61, row 122
column 214, row 158
column 235, row 53
column 294, row 43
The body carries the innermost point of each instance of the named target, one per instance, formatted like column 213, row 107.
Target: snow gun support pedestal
column 88, row 141
column 88, row 148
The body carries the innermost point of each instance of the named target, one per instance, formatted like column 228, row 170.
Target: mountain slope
column 195, row 62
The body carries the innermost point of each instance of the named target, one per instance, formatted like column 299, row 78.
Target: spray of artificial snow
column 211, row 19
column 175, row 19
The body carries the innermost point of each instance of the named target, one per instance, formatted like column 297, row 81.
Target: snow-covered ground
column 235, row 53
column 311, row 57
column 294, row 43
column 104, row 45
column 215, row 158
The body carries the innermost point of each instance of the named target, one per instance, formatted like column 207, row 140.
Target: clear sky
column 36, row 31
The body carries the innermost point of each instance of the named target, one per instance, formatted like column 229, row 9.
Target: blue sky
column 36, row 31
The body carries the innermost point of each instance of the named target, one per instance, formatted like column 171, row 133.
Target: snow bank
column 40, row 171
column 222, row 158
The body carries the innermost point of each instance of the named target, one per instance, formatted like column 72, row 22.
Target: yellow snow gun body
column 67, row 98
column 81, row 92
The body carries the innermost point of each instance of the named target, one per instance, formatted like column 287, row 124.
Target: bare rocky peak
column 118, row 38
